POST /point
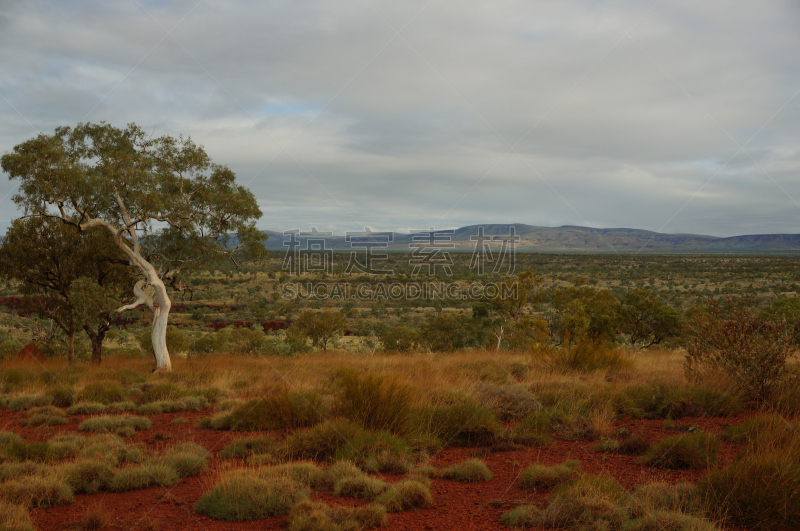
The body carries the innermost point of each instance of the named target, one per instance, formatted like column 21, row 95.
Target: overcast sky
column 673, row 116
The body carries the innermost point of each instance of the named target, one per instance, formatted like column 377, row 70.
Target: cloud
column 671, row 116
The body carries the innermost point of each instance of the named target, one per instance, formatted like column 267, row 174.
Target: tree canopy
column 162, row 200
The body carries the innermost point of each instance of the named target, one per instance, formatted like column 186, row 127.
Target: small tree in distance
column 320, row 327
column 162, row 200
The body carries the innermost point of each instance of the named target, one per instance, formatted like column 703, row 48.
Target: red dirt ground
column 458, row 507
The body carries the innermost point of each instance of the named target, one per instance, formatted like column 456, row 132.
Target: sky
column 667, row 115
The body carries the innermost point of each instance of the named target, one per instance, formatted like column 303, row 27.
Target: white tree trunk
column 158, row 335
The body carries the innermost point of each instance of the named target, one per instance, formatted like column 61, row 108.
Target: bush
column 62, row 396
column 142, row 477
column 185, row 464
column 592, row 503
column 523, row 516
column 759, row 490
column 88, row 476
column 14, row 517
column 243, row 448
column 11, row 470
column 508, row 402
column 698, row 450
column 8, row 437
column 464, row 424
column 240, row 496
column 668, row 521
column 406, row 494
column 361, row 486
column 25, row 451
column 36, row 492
column 315, row 516
column 534, row 430
column 399, row 339
column 123, row 424
column 283, row 410
column 86, row 408
column 650, row 497
column 21, row 403
column 110, row 448
column 307, row 474
column 541, row 477
column 44, row 416
column 103, row 392
column 469, row 471
column 632, row 446
column 162, row 391
column 763, row 432
column 188, row 447
column 373, row 402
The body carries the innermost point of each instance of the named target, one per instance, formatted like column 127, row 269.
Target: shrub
column 119, row 424
column 21, row 403
column 44, row 416
column 185, row 464
column 734, row 341
column 523, row 516
column 8, row 437
column 698, row 450
column 469, row 471
column 316, row 516
column 537, row 476
column 87, row 476
column 386, row 461
column 373, row 402
column 342, row 469
column 188, row 447
column 25, row 451
column 759, row 490
column 307, row 474
column 508, row 402
column 14, row 517
column 240, row 496
column 142, row 477
column 120, row 407
column 242, row 448
column 161, row 392
column 110, row 448
column 36, row 491
column 668, row 521
column 406, row 494
column 632, row 446
column 94, row 518
column 651, row 497
column 86, row 408
column 361, row 486
column 591, row 503
column 103, row 392
column 283, row 410
column 62, row 396
column 464, row 424
column 11, row 470
column 399, row 339
column 763, row 432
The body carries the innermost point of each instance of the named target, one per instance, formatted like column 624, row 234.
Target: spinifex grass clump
column 282, row 410
column 462, row 424
column 316, row 516
column 87, row 476
column 405, row 494
column 243, row 448
column 86, row 408
column 373, row 402
column 188, row 403
column 591, row 503
column 103, row 392
column 185, row 464
column 669, row 521
column 44, row 416
column 16, row 470
column 14, row 517
column 142, row 477
column 508, row 402
column 36, row 491
column 21, row 403
column 650, row 497
column 243, row 495
column 469, row 471
column 541, row 477
column 696, row 450
column 534, row 430
column 123, row 425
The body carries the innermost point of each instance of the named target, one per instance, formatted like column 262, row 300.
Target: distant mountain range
column 568, row 238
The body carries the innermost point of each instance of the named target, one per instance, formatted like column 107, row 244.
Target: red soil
column 458, row 506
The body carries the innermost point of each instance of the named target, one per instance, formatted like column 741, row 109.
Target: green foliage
column 188, row 447
column 185, row 464
column 14, row 470
column 359, row 486
column 448, row 332
column 593, row 503
column 461, row 424
column 21, row 403
column 122, row 424
column 405, row 494
column 650, row 497
column 162, row 391
column 284, row 409
column 400, row 339
column 103, row 392
column 20, row 450
column 759, row 490
column 36, row 491
column 469, row 471
column 696, row 450
column 316, row 516
column 242, row 448
column 142, row 477
column 45, row 416
column 373, row 402
column 763, row 432
column 88, row 476
column 647, row 319
column 541, row 477
column 14, row 517
column 243, row 495
column 63, row 396
column 508, row 402
column 520, row 517
column 320, row 327
column 86, row 408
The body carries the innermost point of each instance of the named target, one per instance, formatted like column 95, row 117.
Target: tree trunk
column 97, row 349
column 158, row 335
column 71, row 347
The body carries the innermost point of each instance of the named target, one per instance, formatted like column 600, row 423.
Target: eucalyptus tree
column 165, row 204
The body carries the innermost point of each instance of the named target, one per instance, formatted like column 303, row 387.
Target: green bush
column 697, row 450
column 361, row 486
column 242, row 495
column 400, row 339
column 142, row 477
column 596, row 503
column 668, row 521
column 110, row 448
column 8, row 437
column 520, row 517
column 44, row 416
column 36, row 491
column 283, row 410
column 316, row 516
column 13, row 470
column 406, row 494
column 373, row 402
column 306, row 473
column 541, row 477
column 25, row 451
column 188, row 447
column 763, row 432
column 243, row 448
column 14, row 517
column 463, row 424
column 103, row 392
column 508, row 402
column 185, row 464
column 86, row 408
column 758, row 490
column 121, row 424
column 469, row 471
column 161, row 392
column 650, row 497
column 88, row 476
column 62, row 396
column 21, row 403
